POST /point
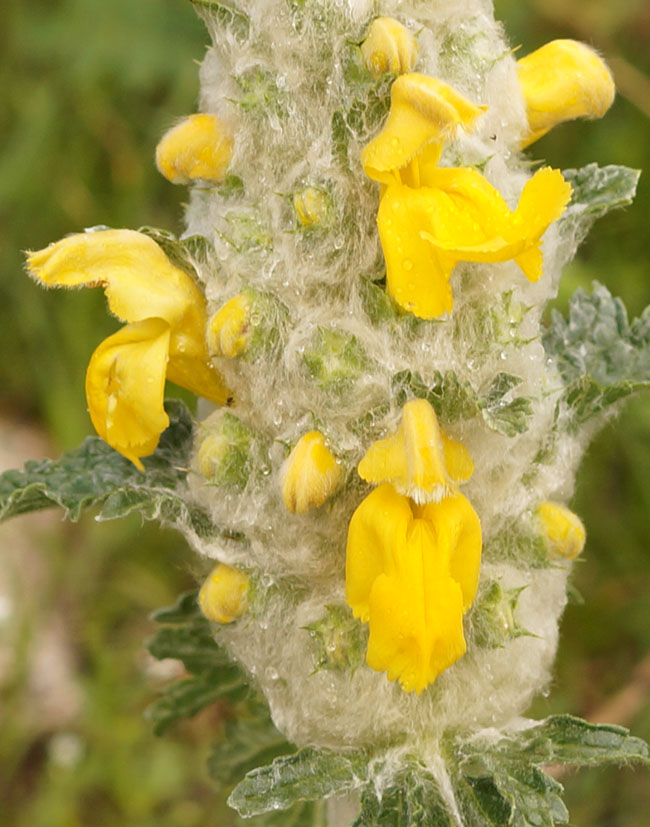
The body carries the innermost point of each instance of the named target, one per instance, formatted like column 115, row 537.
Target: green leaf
column 597, row 190
column 454, row 399
column 340, row 641
column 96, row 475
column 498, row 790
column 500, row 782
column 563, row 739
column 191, row 641
column 183, row 253
column 308, row 775
column 334, row 359
column 227, row 17
column 451, row 398
column 601, row 357
column 187, row 697
column 413, row 798
column 249, row 740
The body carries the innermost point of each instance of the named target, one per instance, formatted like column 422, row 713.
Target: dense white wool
column 297, row 561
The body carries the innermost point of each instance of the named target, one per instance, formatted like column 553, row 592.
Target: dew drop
column 407, row 264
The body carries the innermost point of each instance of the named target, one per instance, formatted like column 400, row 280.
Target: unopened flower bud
column 564, row 531
column 198, row 148
column 223, row 595
column 224, row 450
column 311, row 474
column 312, row 206
column 229, row 329
column 389, row 47
column 563, row 80
column 247, row 325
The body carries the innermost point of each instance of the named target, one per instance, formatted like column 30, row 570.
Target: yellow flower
column 164, row 338
column 389, row 47
column 431, row 217
column 564, row 531
column 418, row 459
column 223, row 595
column 424, row 112
column 411, row 573
column 561, row 81
column 229, row 330
column 310, row 475
column 199, row 147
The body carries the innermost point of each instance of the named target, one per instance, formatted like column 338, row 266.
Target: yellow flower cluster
column 432, row 217
column 414, row 550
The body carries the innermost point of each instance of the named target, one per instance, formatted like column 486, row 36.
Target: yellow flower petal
column 311, row 474
column 459, row 533
column 140, row 282
column 564, row 530
column 389, row 47
column 402, row 566
column 125, row 385
column 138, row 278
column 377, row 526
column 423, row 110
column 418, row 460
column 224, row 594
column 416, row 272
column 561, row 81
column 199, row 147
column 475, row 224
column 229, row 329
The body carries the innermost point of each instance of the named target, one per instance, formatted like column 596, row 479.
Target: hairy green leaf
column 563, row 739
column 601, row 357
column 187, row 636
column 597, row 190
column 226, row 16
column 96, row 475
column 183, row 253
column 412, row 798
column 249, row 740
column 454, row 399
column 187, row 697
column 308, row 775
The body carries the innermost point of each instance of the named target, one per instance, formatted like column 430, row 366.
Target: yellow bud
column 229, row 329
column 389, row 47
column 419, row 460
column 224, row 594
column 561, row 81
column 311, row 474
column 565, row 533
column 311, row 206
column 199, row 147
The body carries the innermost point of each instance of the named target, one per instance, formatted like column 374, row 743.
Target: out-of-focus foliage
column 86, row 88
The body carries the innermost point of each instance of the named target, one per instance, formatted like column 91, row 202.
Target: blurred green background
column 87, row 88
